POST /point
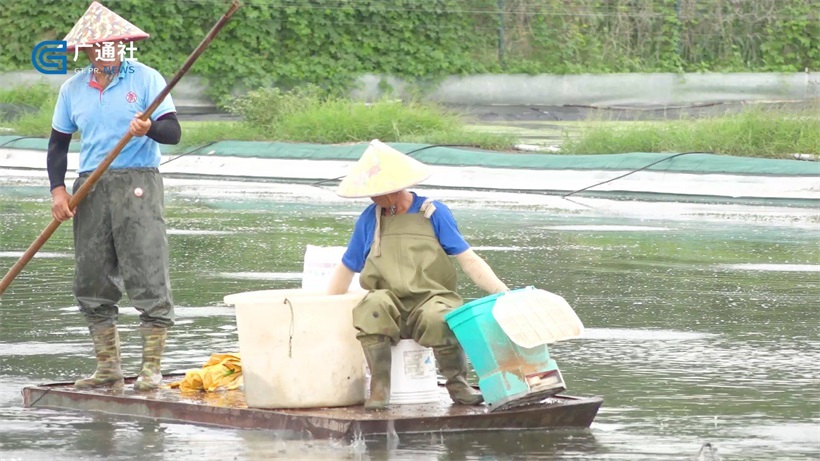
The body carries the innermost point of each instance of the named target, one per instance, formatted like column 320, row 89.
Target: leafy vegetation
column 288, row 43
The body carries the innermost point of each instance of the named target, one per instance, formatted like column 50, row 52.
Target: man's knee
column 431, row 330
column 376, row 304
column 431, row 318
column 377, row 314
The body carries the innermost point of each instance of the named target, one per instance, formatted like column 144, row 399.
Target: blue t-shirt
column 444, row 226
column 103, row 116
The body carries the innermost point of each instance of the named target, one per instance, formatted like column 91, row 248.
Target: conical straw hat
column 382, row 170
column 99, row 24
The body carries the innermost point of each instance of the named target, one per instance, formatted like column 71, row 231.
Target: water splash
column 357, row 444
column 392, row 436
column 707, row 452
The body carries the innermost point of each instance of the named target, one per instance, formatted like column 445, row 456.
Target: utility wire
column 189, row 152
column 323, row 181
column 18, row 138
column 319, row 183
column 631, row 172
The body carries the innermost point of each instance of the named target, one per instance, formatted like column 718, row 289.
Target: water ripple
column 608, row 228
column 772, row 267
column 261, row 275
column 642, row 335
column 41, row 254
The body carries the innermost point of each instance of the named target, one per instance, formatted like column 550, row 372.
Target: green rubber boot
column 107, row 349
column 153, row 345
column 452, row 363
column 379, row 358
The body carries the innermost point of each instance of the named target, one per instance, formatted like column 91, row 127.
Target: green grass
column 34, row 95
column 37, row 124
column 754, row 132
column 201, row 133
column 307, row 115
column 41, row 97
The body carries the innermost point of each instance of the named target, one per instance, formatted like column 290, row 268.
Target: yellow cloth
column 222, row 372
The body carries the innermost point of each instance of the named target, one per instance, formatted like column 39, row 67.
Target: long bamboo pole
column 83, row 191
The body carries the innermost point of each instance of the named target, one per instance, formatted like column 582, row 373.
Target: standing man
column 119, row 230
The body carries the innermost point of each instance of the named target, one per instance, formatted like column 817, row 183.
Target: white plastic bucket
column 299, row 349
column 319, row 263
column 413, row 375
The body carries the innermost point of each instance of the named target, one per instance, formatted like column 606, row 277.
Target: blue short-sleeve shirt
column 444, row 226
column 102, row 115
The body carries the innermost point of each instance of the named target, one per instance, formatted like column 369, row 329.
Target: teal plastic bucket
column 503, row 367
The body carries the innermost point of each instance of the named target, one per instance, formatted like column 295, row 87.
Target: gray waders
column 120, row 240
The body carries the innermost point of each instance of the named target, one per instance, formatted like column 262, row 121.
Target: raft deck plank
column 228, row 409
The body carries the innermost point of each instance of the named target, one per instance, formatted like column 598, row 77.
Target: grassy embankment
column 309, row 117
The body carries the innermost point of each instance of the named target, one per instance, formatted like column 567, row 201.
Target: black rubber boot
column 380, row 359
column 452, row 363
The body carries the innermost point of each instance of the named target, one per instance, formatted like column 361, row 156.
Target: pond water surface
column 702, row 322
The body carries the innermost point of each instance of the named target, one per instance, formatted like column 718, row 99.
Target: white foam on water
column 492, row 248
column 262, row 275
column 188, row 312
column 197, row 232
column 609, row 228
column 38, row 348
column 642, row 335
column 345, row 213
column 182, row 312
column 206, row 311
column 43, row 254
column 790, row 432
column 773, row 267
